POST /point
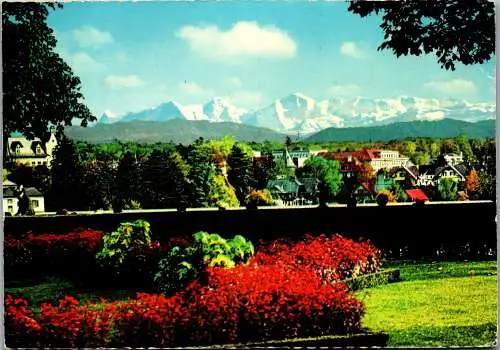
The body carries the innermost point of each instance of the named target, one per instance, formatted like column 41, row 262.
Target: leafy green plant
column 178, row 268
column 183, row 265
column 119, row 243
column 241, row 249
column 212, row 246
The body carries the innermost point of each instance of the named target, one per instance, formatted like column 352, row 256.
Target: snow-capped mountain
column 300, row 113
column 220, row 110
column 167, row 111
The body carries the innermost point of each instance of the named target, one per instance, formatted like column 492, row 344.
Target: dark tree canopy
column 39, row 88
column 455, row 30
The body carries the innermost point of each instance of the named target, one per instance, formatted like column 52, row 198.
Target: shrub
column 119, row 243
column 213, row 247
column 238, row 305
column 384, row 197
column 183, row 265
column 217, row 251
column 178, row 268
column 132, row 204
column 259, row 198
column 36, row 255
column 241, row 250
column 331, row 258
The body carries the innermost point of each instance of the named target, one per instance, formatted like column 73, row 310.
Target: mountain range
column 398, row 131
column 175, row 130
column 186, row 131
column 298, row 113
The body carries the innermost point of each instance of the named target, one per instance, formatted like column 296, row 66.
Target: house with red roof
column 416, row 195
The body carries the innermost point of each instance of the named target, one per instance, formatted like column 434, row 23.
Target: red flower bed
column 73, row 255
column 283, row 292
column 331, row 257
column 247, row 303
column 32, row 255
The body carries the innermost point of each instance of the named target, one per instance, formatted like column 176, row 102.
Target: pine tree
column 98, row 181
column 201, row 175
column 263, row 171
column 240, row 172
column 127, row 180
column 67, row 190
column 165, row 180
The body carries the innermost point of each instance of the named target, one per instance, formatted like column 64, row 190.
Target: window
column 44, row 163
column 32, row 163
column 9, row 201
column 39, row 163
column 34, row 203
column 10, row 208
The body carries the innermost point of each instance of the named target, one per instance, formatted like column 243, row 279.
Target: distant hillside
column 176, row 130
column 434, row 129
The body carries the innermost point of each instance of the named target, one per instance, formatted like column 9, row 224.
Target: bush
column 331, row 258
column 119, row 243
column 38, row 255
column 219, row 252
column 178, row 268
column 132, row 204
column 238, row 305
column 384, row 197
column 183, row 265
column 259, row 198
column 241, row 250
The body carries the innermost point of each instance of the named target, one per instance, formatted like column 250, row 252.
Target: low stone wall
column 405, row 231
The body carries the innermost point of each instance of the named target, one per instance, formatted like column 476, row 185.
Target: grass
column 51, row 289
column 436, row 304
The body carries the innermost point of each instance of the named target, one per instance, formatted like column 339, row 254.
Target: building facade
column 32, row 153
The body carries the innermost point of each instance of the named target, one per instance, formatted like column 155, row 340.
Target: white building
column 11, row 200
column 295, row 159
column 32, row 153
column 385, row 159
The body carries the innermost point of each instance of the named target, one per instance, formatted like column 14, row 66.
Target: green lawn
column 441, row 304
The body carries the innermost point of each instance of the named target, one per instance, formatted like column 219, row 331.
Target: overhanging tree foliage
column 455, row 31
column 39, row 88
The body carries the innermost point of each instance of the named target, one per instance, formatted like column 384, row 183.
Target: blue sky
column 136, row 55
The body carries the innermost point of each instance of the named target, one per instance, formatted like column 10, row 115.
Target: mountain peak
column 299, row 112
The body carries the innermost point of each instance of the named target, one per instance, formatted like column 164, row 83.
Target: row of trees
column 216, row 173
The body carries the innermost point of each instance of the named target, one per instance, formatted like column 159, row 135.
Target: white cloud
column 244, row 39
column 248, row 99
column 82, row 62
column 455, row 86
column 194, row 89
column 234, row 82
column 351, row 49
column 88, row 36
column 123, row 81
column 344, row 90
